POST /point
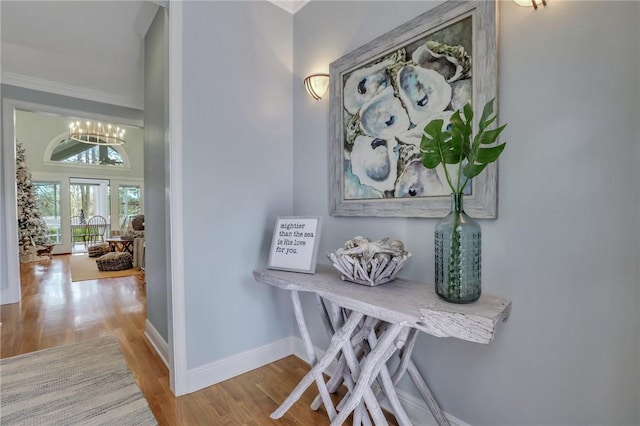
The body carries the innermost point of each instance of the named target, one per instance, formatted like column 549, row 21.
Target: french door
column 87, row 198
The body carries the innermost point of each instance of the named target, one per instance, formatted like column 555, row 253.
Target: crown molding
column 291, row 6
column 35, row 83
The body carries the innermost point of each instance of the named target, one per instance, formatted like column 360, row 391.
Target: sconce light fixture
column 317, row 85
column 534, row 3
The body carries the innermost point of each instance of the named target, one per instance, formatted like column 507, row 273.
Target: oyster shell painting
column 388, row 101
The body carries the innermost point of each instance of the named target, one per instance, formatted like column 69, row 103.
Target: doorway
column 174, row 266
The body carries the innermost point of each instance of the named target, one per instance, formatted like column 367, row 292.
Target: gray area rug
column 86, row 383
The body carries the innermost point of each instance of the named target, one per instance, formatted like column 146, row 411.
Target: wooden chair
column 79, row 230
column 97, row 227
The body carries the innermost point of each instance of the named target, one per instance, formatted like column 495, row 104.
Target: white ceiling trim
column 291, row 6
column 145, row 18
column 14, row 79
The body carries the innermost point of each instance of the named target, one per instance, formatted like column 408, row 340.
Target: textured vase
column 458, row 255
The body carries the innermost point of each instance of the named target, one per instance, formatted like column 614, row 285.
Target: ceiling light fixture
column 317, row 85
column 529, row 3
column 96, row 133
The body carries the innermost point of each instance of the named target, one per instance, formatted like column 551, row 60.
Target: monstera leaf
column 457, row 145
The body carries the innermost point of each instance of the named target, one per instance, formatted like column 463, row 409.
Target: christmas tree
column 32, row 229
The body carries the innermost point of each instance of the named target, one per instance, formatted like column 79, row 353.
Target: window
column 89, row 197
column 128, row 202
column 48, row 202
column 74, row 152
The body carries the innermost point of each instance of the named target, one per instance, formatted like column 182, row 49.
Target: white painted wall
column 566, row 245
column 237, row 172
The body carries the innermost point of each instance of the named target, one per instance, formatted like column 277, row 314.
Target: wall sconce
column 317, row 85
column 533, row 3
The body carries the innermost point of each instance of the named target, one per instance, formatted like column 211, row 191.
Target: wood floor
column 55, row 311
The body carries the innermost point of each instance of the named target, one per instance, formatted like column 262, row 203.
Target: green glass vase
column 458, row 255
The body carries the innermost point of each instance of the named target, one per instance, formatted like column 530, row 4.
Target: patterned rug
column 86, row 383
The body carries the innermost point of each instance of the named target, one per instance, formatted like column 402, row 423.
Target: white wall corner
column 157, row 342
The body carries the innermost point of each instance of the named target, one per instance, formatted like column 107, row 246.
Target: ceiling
column 91, row 49
column 88, row 49
column 291, row 6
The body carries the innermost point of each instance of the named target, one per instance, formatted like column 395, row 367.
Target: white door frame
column 12, row 293
column 176, row 294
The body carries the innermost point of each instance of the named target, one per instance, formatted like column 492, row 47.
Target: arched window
column 68, row 151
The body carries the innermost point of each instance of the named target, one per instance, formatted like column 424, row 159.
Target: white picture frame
column 294, row 246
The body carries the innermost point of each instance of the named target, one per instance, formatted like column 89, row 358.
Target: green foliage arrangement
column 457, row 145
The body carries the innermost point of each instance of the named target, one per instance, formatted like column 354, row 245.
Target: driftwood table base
column 370, row 325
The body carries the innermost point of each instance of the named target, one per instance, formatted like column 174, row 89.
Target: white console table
column 369, row 325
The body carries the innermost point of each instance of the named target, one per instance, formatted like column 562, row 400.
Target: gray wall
column 565, row 248
column 237, row 172
column 155, row 172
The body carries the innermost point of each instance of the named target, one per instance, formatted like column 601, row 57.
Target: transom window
column 74, row 152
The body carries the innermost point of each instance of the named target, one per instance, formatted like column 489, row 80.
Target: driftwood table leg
column 322, row 387
column 351, row 354
column 426, row 394
column 369, row 397
column 339, row 374
column 405, row 356
column 336, row 380
column 388, row 386
column 407, row 365
column 333, row 322
column 339, row 339
column 369, row 371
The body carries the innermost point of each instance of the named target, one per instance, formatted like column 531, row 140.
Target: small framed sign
column 295, row 244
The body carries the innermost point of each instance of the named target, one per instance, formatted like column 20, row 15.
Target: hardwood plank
column 55, row 311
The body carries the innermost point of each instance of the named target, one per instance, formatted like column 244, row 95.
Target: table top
column 403, row 301
column 123, row 239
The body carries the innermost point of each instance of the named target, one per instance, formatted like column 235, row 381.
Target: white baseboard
column 157, row 341
column 219, row 371
column 8, row 295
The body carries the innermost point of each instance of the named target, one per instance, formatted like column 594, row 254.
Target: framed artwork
column 382, row 96
column 295, row 242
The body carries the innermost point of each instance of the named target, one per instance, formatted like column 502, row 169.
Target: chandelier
column 96, row 133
